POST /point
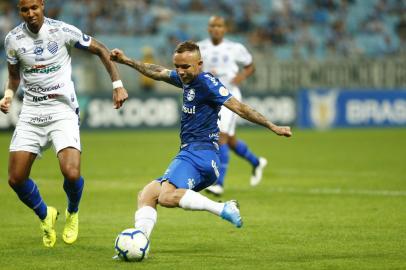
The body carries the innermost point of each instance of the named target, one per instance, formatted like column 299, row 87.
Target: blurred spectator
column 401, row 32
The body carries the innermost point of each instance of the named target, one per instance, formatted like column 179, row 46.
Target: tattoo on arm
column 152, row 71
column 248, row 113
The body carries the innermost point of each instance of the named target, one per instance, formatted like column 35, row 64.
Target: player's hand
column 118, row 56
column 120, row 95
column 282, row 131
column 5, row 104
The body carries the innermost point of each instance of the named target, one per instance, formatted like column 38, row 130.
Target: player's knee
column 16, row 179
column 71, row 173
column 166, row 199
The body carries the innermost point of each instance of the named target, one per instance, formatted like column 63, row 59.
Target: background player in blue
column 39, row 60
column 196, row 165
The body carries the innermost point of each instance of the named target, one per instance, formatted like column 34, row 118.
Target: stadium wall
column 309, row 108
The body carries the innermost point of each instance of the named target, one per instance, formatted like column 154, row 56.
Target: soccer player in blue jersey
column 196, row 165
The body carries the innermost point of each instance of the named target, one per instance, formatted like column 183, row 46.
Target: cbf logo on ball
column 191, row 95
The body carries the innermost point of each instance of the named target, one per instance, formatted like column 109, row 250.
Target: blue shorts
column 194, row 167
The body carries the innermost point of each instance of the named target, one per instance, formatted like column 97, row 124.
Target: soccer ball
column 132, row 245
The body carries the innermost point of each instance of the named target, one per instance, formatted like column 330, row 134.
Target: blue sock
column 73, row 191
column 29, row 194
column 242, row 150
column 224, row 159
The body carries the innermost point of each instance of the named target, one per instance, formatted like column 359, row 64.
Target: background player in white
column 222, row 58
column 38, row 50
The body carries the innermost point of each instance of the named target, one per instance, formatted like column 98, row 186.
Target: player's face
column 188, row 65
column 217, row 28
column 32, row 12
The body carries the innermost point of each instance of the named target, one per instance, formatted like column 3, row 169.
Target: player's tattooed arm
column 253, row 116
column 152, row 71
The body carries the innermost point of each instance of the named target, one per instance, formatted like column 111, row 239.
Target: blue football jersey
column 202, row 100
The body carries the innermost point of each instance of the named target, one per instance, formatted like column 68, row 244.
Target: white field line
column 339, row 191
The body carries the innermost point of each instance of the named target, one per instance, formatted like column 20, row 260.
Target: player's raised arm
column 11, row 87
column 253, row 116
column 120, row 94
column 152, row 71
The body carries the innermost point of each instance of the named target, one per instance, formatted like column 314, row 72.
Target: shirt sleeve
column 243, row 56
column 74, row 37
column 218, row 93
column 175, row 80
column 11, row 51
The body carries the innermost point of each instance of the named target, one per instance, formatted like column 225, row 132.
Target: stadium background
column 333, row 199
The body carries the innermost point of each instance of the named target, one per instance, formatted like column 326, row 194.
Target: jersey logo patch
column 223, row 91
column 52, row 47
column 191, row 95
column 38, row 50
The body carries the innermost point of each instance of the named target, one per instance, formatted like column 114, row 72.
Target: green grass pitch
column 328, row 200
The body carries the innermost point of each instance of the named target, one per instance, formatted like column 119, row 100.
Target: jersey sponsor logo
column 72, row 32
column 20, row 37
column 212, row 79
column 52, row 47
column 39, row 89
column 191, row 95
column 42, row 69
column 189, row 110
column 224, row 91
column 38, row 42
column 41, row 119
column 38, row 50
column 214, row 136
column 47, row 97
column 51, row 31
column 21, row 50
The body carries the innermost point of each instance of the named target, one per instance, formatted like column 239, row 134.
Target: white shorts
column 228, row 119
column 35, row 138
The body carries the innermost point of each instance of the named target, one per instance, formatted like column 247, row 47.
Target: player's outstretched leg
column 218, row 188
column 73, row 191
column 188, row 199
column 258, row 164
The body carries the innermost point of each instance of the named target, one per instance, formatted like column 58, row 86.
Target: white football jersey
column 224, row 59
column 45, row 66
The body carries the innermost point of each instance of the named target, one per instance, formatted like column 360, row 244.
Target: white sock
column 145, row 219
column 195, row 201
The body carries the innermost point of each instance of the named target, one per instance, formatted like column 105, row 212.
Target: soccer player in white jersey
column 38, row 55
column 222, row 58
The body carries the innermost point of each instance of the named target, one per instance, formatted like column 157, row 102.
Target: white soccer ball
column 132, row 245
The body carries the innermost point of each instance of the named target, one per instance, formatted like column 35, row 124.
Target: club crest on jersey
column 191, row 95
column 52, row 47
column 38, row 50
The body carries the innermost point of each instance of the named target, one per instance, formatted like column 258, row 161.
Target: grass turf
column 329, row 200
